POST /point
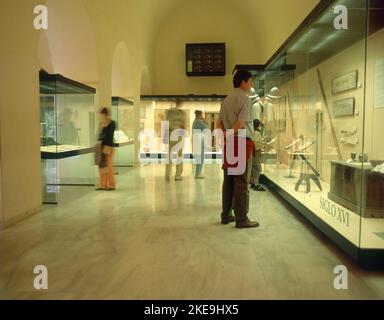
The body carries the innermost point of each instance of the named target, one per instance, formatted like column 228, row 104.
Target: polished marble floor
column 153, row 239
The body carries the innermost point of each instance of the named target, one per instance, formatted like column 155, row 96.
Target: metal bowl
column 376, row 163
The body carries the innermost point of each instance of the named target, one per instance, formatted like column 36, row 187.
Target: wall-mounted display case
column 123, row 114
column 67, row 134
column 326, row 87
column 154, row 112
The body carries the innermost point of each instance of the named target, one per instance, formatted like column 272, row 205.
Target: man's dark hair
column 257, row 124
column 104, row 111
column 240, row 76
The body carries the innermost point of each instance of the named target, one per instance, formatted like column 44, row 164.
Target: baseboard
column 14, row 220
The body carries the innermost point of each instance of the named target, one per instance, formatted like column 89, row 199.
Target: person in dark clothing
column 257, row 159
column 105, row 145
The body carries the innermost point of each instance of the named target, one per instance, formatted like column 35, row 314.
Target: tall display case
column 327, row 88
column 67, row 134
column 123, row 114
column 154, row 110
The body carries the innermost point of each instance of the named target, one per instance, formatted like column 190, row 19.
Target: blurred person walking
column 105, row 151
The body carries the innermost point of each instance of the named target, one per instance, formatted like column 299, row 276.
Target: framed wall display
column 205, row 59
column 345, row 82
column 344, row 107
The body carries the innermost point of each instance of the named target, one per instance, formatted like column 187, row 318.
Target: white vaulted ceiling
column 80, row 30
column 271, row 21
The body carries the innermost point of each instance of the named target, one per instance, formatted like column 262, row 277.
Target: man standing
column 176, row 120
column 199, row 125
column 236, row 114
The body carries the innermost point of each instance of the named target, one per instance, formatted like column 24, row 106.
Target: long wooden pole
column 334, row 136
column 291, row 116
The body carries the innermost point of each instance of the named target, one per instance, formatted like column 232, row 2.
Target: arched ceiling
column 79, row 28
column 122, row 85
column 71, row 41
column 271, row 21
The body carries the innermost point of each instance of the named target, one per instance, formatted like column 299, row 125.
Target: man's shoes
column 178, row 178
column 199, row 177
column 246, row 224
column 228, row 220
column 259, row 188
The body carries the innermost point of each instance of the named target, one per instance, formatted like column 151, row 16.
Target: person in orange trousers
column 107, row 131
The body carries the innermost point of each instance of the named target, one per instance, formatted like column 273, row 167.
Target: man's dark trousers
column 235, row 194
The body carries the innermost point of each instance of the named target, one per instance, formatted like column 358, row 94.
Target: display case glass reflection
column 156, row 109
column 330, row 105
column 67, row 134
column 123, row 114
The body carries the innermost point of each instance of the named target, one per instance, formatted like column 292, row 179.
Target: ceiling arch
column 71, row 41
column 271, row 21
column 75, row 25
column 44, row 54
column 122, row 73
column 146, row 82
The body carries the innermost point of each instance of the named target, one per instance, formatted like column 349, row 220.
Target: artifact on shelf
column 349, row 142
column 334, row 136
column 353, row 158
column 294, row 143
column 48, row 141
column 292, row 157
column 363, row 157
column 349, row 133
column 379, row 168
column 307, row 177
column 120, row 137
column 274, row 93
column 358, row 186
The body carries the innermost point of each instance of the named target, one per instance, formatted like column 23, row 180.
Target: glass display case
column 324, row 106
column 123, row 114
column 154, row 111
column 67, row 134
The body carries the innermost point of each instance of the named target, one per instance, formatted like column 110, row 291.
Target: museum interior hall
column 192, row 150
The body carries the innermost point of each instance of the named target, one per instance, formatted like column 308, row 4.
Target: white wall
column 19, row 103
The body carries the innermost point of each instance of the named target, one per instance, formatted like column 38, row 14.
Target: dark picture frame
column 345, row 82
column 205, row 59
